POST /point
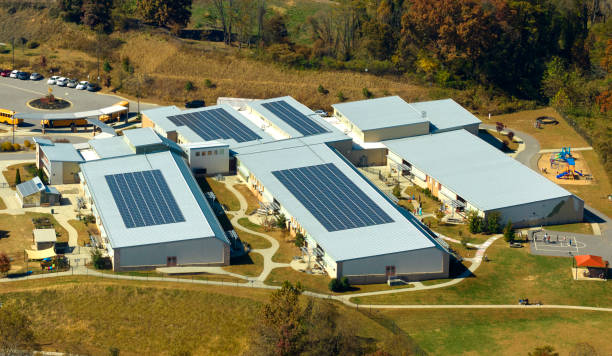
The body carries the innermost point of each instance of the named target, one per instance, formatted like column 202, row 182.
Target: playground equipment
column 570, row 164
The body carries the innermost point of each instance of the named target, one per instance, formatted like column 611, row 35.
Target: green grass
column 510, row 275
column 502, row 332
column 315, row 283
column 250, row 265
column 580, row 228
column 174, row 277
column 428, row 204
column 87, row 315
column 256, row 242
column 455, row 231
column 287, row 248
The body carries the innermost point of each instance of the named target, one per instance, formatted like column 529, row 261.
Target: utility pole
column 13, row 50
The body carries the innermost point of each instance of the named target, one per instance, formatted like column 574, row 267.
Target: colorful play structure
column 566, row 157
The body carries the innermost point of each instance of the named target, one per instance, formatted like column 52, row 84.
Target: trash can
column 51, row 211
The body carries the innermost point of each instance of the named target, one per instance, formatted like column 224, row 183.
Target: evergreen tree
column 17, row 177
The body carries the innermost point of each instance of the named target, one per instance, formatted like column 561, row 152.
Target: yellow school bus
column 63, row 123
column 116, row 115
column 8, row 117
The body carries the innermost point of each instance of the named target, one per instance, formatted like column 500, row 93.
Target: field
column 16, row 236
column 511, row 274
column 27, row 171
column 85, row 315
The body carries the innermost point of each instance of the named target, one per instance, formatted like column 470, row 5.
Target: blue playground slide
column 578, row 173
column 563, row 174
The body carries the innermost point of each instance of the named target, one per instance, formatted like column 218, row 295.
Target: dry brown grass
column 252, row 201
column 287, row 248
column 24, row 172
column 250, row 265
column 84, row 231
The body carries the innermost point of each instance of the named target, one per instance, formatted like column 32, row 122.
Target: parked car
column 82, row 85
column 23, row 75
column 72, row 83
column 53, row 80
column 5, row 73
column 321, row 113
column 62, row 82
column 36, row 76
column 92, row 87
column 14, row 73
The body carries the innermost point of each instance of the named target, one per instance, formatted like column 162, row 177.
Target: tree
column 474, row 222
column 492, row 222
column 510, row 135
column 189, row 86
column 508, row 232
column 299, row 239
column 70, row 10
column 499, row 126
column 281, row 221
column 5, row 263
column 397, row 191
column 98, row 261
column 97, row 14
column 17, row 177
column 275, row 30
column 15, row 329
column 544, row 351
column 165, row 12
column 367, row 93
column 107, row 66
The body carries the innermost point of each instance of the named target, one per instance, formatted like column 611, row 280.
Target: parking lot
column 15, row 93
column 559, row 244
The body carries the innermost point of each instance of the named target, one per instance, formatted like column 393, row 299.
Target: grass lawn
column 224, row 196
column 511, row 274
column 287, row 248
column 27, row 171
column 580, row 228
column 16, row 236
column 455, row 231
column 252, row 202
column 84, row 231
column 146, row 318
column 512, row 145
column 256, row 242
column 595, row 194
column 428, row 204
column 173, row 277
column 551, row 136
column 312, row 282
column 502, row 332
column 250, row 265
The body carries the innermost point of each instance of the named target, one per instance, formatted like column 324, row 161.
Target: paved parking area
column 15, row 93
column 559, row 244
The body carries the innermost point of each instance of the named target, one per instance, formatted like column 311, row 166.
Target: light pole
column 13, row 50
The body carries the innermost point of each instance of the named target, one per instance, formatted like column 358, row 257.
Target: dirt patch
column 551, row 167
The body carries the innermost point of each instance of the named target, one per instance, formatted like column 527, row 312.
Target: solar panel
column 144, row 199
column 215, row 124
column 333, row 199
column 302, row 123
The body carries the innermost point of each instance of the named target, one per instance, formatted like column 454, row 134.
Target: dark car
column 93, row 87
column 5, row 73
column 23, row 75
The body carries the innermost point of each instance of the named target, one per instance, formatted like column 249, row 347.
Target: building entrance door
column 171, row 261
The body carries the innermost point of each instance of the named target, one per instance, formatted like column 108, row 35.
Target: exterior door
column 171, row 261
column 390, row 271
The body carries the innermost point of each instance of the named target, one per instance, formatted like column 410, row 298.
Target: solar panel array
column 334, row 200
column 144, row 199
column 300, row 122
column 215, row 124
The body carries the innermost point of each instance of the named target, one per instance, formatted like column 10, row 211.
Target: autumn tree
column 15, row 329
column 5, row 263
column 97, row 14
column 165, row 12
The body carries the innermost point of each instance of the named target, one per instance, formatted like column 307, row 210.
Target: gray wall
column 388, row 133
column 188, row 252
column 421, row 264
column 563, row 210
column 70, row 171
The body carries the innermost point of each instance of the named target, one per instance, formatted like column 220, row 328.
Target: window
column 215, row 152
column 390, row 271
column 197, row 154
column 209, row 153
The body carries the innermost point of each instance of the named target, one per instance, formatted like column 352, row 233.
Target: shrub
column 27, row 143
column 32, row 44
column 344, row 284
column 4, row 50
column 106, row 66
column 492, row 223
column 367, row 93
column 16, row 147
column 189, row 86
column 397, row 191
column 97, row 259
column 322, row 90
column 334, row 285
column 209, row 84
column 281, row 221
column 474, row 222
column 341, row 97
column 510, row 135
column 6, row 146
column 439, row 214
column 299, row 240
column 5, row 263
column 339, row 285
column 508, row 232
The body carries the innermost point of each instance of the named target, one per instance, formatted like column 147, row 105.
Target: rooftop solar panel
column 215, row 124
column 300, row 122
column 331, row 197
column 144, row 198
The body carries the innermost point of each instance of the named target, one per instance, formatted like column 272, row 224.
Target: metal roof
column 393, row 111
column 111, row 147
column 142, row 137
column 61, row 152
column 44, row 235
column 258, row 107
column 30, row 187
column 70, row 115
column 200, row 220
column 400, row 235
column 445, row 114
column 379, row 113
column 475, row 170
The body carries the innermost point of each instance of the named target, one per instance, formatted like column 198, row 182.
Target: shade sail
column 590, row 261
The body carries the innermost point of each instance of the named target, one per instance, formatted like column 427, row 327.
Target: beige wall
column 388, row 133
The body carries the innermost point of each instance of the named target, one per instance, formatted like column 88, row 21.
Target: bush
column 27, row 143
column 4, row 50
column 6, row 146
column 32, row 44
column 322, row 90
column 397, row 191
column 299, row 240
column 281, row 221
column 16, row 147
column 509, row 232
column 17, row 177
column 492, row 223
column 209, row 84
column 474, row 222
column 341, row 97
column 439, row 214
column 367, row 93
column 107, row 67
column 189, row 86
column 339, row 285
column 5, row 263
column 98, row 261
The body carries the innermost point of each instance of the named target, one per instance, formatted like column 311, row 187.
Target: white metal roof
column 200, row 220
column 44, row 235
column 400, row 235
column 475, row 170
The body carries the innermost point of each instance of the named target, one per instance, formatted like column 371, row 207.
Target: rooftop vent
column 423, row 114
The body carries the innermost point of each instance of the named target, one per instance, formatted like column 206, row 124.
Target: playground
column 565, row 244
column 565, row 167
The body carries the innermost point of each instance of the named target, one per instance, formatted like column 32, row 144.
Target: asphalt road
column 15, row 93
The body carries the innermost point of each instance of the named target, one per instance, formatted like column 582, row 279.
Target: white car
column 62, row 81
column 82, row 85
column 53, row 80
column 14, row 73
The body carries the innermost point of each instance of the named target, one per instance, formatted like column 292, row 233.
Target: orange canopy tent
column 590, row 261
